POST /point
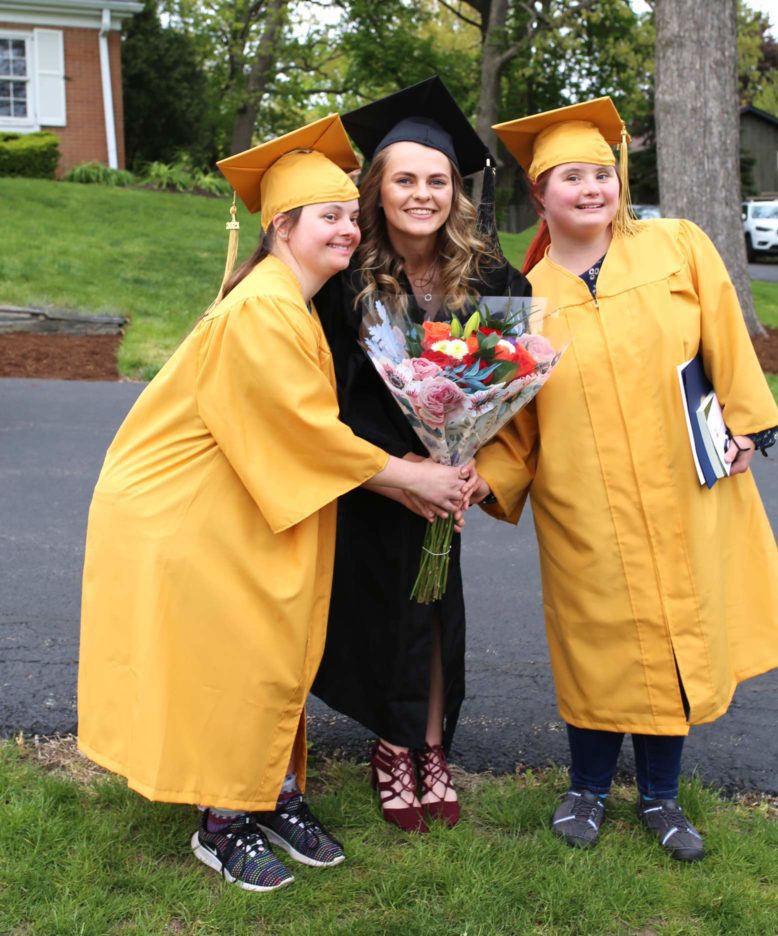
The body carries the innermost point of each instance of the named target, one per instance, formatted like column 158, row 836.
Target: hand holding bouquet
column 458, row 383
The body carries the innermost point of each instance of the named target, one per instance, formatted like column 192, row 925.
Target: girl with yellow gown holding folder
column 660, row 595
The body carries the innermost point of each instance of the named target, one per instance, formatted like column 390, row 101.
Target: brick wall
column 83, row 138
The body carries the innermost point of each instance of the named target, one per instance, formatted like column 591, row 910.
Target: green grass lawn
column 766, row 301
column 81, row 854
column 154, row 257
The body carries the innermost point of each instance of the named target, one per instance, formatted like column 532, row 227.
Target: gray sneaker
column 676, row 834
column 578, row 817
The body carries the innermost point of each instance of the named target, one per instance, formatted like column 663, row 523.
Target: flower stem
column 432, row 577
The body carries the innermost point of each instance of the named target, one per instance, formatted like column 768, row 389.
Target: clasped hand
column 470, row 481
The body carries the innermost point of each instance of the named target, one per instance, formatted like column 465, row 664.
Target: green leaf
column 504, row 372
column 472, row 324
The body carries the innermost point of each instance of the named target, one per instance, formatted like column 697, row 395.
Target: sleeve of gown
column 518, row 284
column 506, row 280
column 366, row 406
column 370, row 410
column 264, row 396
column 728, row 353
column 508, row 463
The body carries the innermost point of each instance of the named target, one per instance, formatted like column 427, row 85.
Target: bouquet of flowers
column 458, row 379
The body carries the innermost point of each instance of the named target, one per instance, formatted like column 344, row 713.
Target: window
column 14, row 79
column 32, row 79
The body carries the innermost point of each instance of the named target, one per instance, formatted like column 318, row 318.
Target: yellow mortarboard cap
column 579, row 133
column 305, row 167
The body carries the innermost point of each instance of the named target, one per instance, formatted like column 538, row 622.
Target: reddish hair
column 541, row 240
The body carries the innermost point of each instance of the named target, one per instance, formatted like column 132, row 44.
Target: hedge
column 32, row 155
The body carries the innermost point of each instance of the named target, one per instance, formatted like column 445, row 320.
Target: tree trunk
column 698, row 128
column 262, row 71
column 489, row 95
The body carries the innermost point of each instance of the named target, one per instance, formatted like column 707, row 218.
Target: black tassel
column 487, row 223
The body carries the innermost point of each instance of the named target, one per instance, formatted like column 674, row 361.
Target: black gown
column 376, row 663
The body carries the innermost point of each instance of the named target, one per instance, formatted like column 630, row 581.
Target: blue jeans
column 594, row 754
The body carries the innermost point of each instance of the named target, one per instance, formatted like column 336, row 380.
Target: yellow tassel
column 233, row 226
column 625, row 222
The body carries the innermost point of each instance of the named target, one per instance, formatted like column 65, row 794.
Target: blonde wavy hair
column 462, row 252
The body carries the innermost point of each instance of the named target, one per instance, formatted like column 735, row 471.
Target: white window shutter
column 50, row 77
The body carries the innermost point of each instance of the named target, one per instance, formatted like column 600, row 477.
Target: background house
column 60, row 70
column 759, row 138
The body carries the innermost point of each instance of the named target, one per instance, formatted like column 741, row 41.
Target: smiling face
column 416, row 189
column 580, row 199
column 324, row 238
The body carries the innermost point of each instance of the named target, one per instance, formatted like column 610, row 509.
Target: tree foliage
column 221, row 74
column 166, row 93
column 757, row 59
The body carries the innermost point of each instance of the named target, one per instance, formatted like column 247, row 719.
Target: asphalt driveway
column 53, row 435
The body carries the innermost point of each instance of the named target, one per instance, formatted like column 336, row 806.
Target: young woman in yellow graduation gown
column 211, row 533
column 660, row 595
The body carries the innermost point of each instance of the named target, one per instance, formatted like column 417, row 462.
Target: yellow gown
column 209, row 555
column 642, row 568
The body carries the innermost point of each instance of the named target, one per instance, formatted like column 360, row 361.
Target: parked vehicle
column 642, row 212
column 760, row 227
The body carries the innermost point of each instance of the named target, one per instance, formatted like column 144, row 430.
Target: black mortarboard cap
column 424, row 113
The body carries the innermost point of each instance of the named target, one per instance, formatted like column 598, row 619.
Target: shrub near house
column 32, row 155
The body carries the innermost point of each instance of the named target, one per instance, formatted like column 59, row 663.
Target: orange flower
column 472, row 344
column 435, row 331
column 525, row 361
column 502, row 353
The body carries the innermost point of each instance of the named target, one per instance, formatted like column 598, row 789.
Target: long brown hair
column 265, row 246
column 462, row 251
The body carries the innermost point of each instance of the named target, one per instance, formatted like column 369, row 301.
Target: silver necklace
column 425, row 281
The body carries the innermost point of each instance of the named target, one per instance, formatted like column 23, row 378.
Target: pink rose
column 423, row 368
column 439, row 398
column 539, row 347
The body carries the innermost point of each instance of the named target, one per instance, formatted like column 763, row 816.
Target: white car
column 643, row 212
column 760, row 226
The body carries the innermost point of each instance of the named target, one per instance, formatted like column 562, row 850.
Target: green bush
column 32, row 155
column 183, row 176
column 177, row 176
column 213, row 183
column 95, row 173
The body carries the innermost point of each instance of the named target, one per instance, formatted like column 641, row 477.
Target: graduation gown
column 209, row 555
column 648, row 577
column 376, row 662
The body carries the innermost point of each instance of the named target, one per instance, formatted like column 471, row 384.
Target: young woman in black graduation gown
column 396, row 666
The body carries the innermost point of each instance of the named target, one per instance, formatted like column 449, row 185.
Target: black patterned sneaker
column 240, row 852
column 676, row 834
column 294, row 828
column 578, row 817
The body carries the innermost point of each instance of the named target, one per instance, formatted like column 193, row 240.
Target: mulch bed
column 59, row 357
column 93, row 357
column 767, row 351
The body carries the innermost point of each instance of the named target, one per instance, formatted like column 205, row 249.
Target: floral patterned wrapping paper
column 447, row 392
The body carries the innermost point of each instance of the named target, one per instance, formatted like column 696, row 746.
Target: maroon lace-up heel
column 433, row 769
column 401, row 785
